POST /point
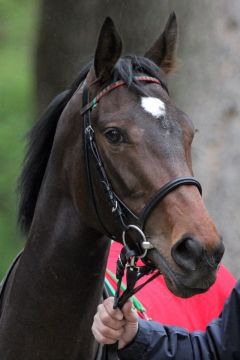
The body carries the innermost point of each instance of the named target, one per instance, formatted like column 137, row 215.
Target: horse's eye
column 114, row 136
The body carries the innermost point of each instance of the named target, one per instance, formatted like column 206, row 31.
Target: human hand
column 112, row 325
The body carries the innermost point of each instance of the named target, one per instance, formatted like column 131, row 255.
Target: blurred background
column 44, row 44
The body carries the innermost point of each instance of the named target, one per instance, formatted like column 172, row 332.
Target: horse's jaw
column 182, row 284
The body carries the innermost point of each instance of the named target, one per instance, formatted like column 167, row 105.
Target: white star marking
column 154, row 106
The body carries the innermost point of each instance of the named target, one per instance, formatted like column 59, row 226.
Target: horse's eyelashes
column 114, row 136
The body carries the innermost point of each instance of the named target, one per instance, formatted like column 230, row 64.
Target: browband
column 113, row 86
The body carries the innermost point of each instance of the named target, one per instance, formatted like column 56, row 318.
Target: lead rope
column 127, row 261
column 111, row 290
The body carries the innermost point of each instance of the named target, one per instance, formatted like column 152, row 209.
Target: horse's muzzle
column 190, row 255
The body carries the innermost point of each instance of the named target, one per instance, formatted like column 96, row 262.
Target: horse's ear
column 163, row 51
column 108, row 51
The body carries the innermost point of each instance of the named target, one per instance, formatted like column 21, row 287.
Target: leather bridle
column 127, row 220
column 119, row 209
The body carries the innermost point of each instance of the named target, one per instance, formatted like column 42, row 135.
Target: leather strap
column 119, row 209
column 164, row 191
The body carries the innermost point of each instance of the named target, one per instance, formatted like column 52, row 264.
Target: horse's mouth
column 178, row 288
column 182, row 285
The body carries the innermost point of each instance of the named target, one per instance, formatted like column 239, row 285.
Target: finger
column 108, row 320
column 129, row 313
column 114, row 313
column 102, row 339
column 105, row 332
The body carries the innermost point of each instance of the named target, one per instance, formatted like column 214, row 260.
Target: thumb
column 129, row 312
column 131, row 326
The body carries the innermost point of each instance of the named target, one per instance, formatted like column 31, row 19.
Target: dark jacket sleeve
column 221, row 341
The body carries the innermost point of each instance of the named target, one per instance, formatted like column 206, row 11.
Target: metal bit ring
column 146, row 245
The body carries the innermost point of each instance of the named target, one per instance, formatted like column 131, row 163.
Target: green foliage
column 17, row 30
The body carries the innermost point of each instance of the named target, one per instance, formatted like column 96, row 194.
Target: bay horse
column 72, row 199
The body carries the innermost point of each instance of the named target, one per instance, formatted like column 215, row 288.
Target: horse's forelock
column 130, row 65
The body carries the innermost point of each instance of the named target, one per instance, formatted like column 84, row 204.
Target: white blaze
column 154, row 106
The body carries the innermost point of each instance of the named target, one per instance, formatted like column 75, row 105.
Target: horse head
column 143, row 141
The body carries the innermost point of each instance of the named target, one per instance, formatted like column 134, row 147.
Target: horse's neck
column 59, row 280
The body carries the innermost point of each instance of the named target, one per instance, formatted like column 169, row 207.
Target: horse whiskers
column 210, row 261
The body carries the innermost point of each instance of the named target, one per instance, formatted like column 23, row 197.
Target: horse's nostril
column 219, row 253
column 187, row 253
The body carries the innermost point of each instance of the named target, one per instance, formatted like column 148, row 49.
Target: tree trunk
column 68, row 32
column 207, row 87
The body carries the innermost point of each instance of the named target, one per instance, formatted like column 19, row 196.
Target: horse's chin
column 180, row 290
column 181, row 285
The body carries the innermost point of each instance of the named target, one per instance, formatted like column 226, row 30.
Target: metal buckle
column 114, row 208
column 89, row 131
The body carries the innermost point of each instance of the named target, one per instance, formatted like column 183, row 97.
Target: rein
column 127, row 220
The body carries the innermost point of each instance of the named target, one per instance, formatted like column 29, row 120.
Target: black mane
column 40, row 138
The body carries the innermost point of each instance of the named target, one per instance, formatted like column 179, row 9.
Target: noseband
column 119, row 209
